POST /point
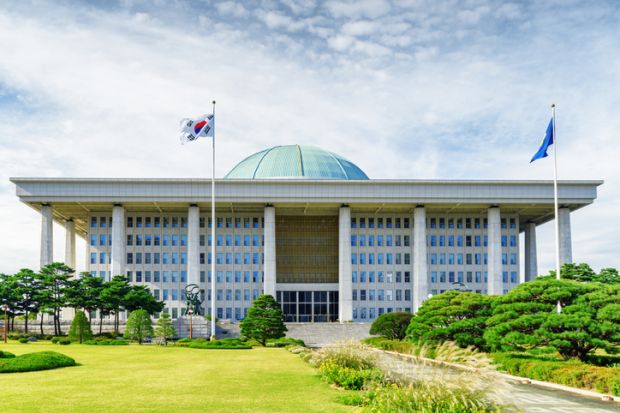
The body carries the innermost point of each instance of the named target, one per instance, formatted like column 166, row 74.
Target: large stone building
column 308, row 227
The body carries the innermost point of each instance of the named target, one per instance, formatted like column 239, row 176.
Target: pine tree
column 264, row 321
column 80, row 328
column 164, row 329
column 138, row 326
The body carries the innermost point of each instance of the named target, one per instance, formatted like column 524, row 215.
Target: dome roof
column 295, row 162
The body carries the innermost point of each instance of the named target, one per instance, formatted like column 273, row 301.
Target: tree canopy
column 452, row 316
column 264, row 321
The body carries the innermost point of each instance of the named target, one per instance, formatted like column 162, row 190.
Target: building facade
column 308, row 227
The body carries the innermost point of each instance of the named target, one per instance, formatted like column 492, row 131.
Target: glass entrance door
column 308, row 306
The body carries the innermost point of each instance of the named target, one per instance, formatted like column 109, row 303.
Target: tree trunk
column 116, row 322
column 100, row 322
column 26, row 323
column 12, row 323
column 41, row 325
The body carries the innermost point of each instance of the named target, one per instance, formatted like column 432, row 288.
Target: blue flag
column 547, row 141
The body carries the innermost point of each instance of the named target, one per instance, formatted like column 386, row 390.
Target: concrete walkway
column 525, row 397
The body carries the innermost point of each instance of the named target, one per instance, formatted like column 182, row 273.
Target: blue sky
column 405, row 89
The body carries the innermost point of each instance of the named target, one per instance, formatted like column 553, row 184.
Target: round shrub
column 6, row 355
column 23, row 340
column 391, row 325
column 44, row 360
column 64, row 341
column 54, row 340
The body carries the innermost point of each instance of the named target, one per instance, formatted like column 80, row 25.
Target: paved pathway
column 527, row 398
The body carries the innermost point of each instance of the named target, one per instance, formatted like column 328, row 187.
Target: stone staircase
column 200, row 327
column 326, row 334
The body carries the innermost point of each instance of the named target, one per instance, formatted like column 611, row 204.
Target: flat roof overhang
column 75, row 198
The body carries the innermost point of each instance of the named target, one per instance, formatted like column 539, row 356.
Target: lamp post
column 190, row 312
column 6, row 323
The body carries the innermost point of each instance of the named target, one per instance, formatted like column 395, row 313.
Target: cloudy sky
column 405, row 89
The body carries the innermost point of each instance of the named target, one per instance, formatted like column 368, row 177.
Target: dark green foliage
column 55, row 340
column 64, row 341
column 165, row 329
column 113, row 294
column 452, row 316
column 107, row 342
column 55, row 280
column 80, row 328
column 44, row 360
column 526, row 318
column 518, row 315
column 23, row 340
column 583, row 273
column 6, row 355
column 140, row 298
column 264, row 321
column 571, row 373
column 391, row 325
column 284, row 342
column 138, row 326
column 590, row 323
column 223, row 344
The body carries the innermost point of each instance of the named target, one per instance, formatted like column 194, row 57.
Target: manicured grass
column 159, row 379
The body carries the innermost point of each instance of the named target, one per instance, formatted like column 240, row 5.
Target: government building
column 308, row 227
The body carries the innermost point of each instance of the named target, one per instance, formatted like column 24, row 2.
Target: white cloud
column 231, row 8
column 357, row 8
column 397, row 92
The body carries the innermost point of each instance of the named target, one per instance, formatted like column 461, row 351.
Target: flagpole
column 555, row 201
column 213, row 243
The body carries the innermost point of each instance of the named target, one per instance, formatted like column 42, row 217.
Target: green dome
column 296, row 162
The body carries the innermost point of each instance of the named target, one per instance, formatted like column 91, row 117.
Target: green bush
column 23, row 340
column 391, row 325
column 64, row 341
column 349, row 378
column 452, row 316
column 106, row 342
column 6, row 355
column 80, row 328
column 55, row 340
column 284, row 342
column 44, row 360
column 568, row 372
column 223, row 344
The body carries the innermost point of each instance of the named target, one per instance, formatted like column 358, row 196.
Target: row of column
column 420, row 267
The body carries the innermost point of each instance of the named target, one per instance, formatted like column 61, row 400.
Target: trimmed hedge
column 223, row 344
column 106, row 342
column 23, row 340
column 6, row 355
column 44, row 360
column 568, row 372
column 284, row 342
column 64, row 341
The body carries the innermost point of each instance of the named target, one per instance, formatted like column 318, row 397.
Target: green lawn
column 158, row 379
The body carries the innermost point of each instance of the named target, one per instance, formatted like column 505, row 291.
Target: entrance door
column 308, row 306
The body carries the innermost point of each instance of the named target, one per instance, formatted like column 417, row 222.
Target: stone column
column 566, row 249
column 269, row 285
column 118, row 241
column 47, row 235
column 420, row 267
column 494, row 251
column 193, row 245
column 70, row 244
column 345, row 285
column 531, row 261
